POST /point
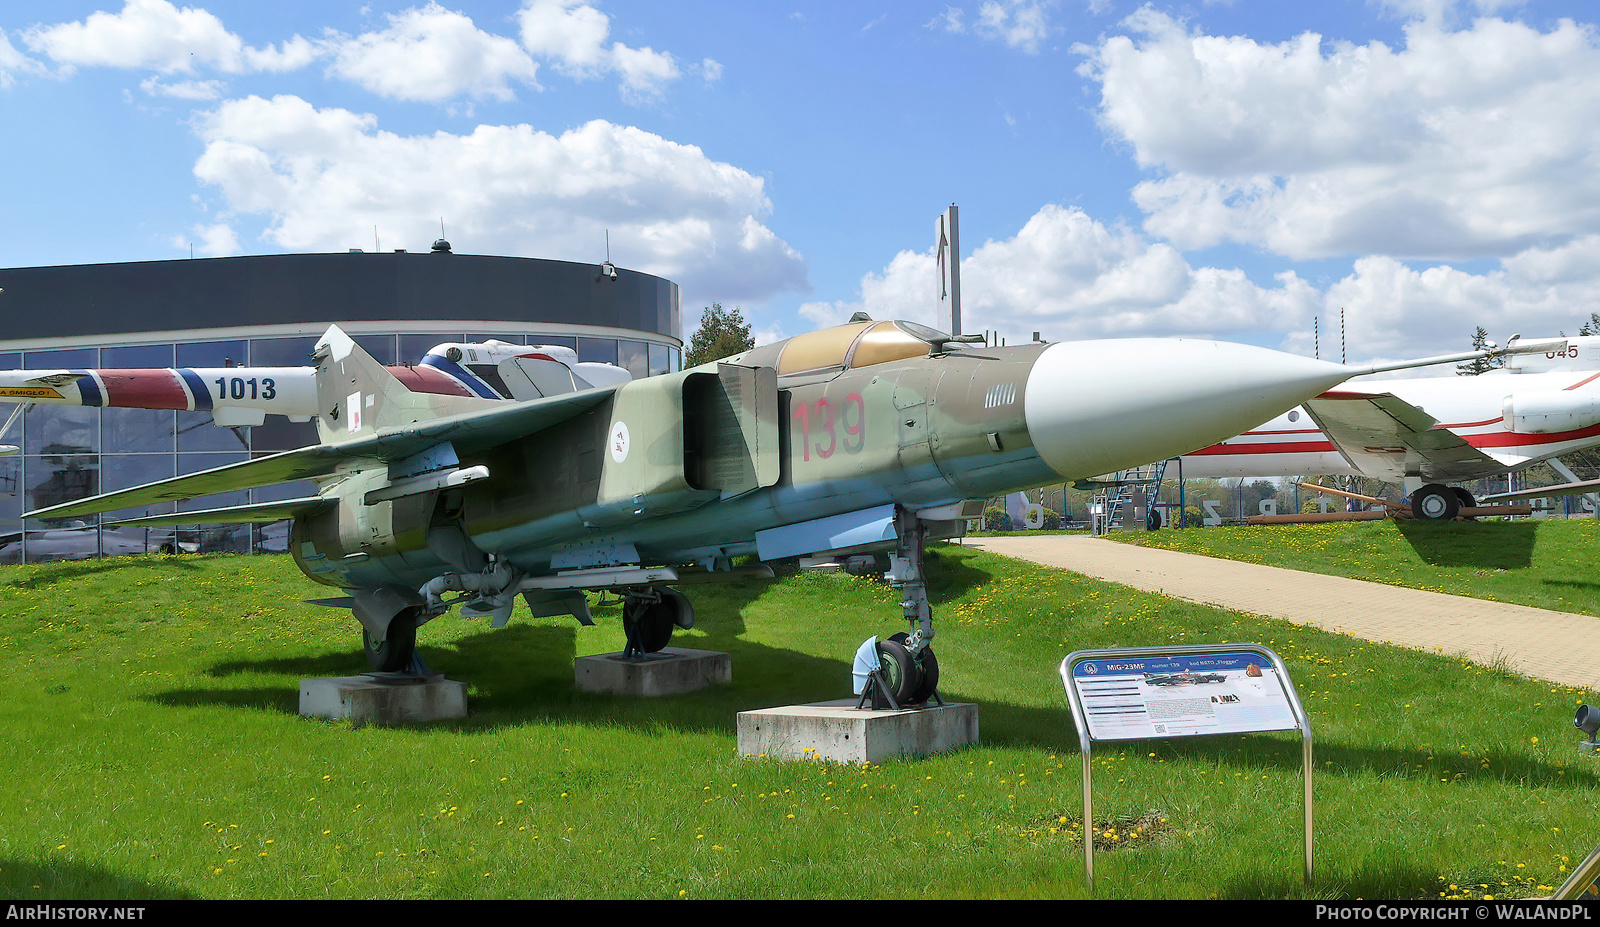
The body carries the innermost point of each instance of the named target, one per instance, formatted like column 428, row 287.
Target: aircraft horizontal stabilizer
column 258, row 513
column 468, row 432
column 302, row 464
column 1384, row 436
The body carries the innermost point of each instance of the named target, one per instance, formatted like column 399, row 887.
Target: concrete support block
column 384, row 698
column 670, row 671
column 840, row 732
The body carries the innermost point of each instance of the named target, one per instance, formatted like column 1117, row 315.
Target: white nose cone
column 1095, row 407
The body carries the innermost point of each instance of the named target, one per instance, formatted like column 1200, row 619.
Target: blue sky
column 1232, row 170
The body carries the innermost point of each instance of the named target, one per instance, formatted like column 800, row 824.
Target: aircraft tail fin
column 357, row 395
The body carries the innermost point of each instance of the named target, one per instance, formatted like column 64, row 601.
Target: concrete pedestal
column 384, row 698
column 840, row 732
column 670, row 671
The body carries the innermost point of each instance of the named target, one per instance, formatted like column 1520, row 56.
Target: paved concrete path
column 1558, row 646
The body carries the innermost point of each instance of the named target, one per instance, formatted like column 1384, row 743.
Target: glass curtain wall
column 69, row 452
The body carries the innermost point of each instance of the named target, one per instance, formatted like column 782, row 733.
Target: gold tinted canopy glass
column 861, row 344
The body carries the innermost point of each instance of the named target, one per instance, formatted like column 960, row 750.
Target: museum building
column 267, row 310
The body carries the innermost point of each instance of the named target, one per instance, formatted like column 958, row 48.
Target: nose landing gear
column 907, row 671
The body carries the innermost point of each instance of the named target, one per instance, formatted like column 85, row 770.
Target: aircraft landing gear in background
column 649, row 617
column 398, row 650
column 1435, row 502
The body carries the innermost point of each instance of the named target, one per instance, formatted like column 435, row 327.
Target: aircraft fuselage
column 669, row 471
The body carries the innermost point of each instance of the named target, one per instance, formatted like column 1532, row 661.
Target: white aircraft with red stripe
column 1427, row 432
column 245, row 395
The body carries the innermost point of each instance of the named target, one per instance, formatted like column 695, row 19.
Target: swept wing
column 1384, row 436
column 259, row 513
column 467, row 432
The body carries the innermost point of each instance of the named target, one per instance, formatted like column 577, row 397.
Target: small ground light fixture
column 1588, row 721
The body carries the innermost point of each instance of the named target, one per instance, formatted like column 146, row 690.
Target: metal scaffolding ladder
column 1116, row 495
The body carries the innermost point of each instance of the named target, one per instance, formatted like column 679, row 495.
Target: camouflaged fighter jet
column 871, row 436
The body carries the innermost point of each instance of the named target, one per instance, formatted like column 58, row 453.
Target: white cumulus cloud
column 14, row 62
column 425, row 53
column 323, row 178
column 573, row 34
column 1068, row 276
column 1396, row 310
column 214, row 239
column 433, row 54
column 1460, row 144
column 158, row 36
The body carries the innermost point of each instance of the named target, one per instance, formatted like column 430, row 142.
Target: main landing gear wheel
column 649, row 622
column 394, row 652
column 1434, row 502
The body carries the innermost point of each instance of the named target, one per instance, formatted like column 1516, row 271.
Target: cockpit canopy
column 857, row 344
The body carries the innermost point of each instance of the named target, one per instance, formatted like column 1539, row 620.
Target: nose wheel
column 912, row 678
column 898, row 678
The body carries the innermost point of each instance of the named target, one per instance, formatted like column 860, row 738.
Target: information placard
column 1127, row 698
column 1141, row 693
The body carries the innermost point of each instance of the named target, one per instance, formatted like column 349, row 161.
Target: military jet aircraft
column 870, row 436
column 245, row 395
column 1430, row 431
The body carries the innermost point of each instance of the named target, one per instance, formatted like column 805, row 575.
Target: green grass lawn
column 154, row 751
column 1542, row 563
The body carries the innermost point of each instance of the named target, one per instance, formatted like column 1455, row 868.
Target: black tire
column 927, row 665
column 394, row 653
column 649, row 624
column 1434, row 502
column 1153, row 520
column 900, row 671
column 1464, row 497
